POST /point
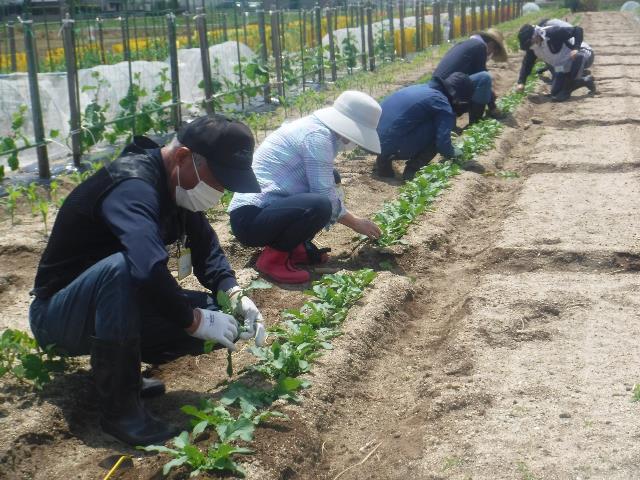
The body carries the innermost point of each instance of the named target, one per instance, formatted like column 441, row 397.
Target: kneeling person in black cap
column 103, row 286
column 417, row 121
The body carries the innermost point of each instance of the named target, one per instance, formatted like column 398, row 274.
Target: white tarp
column 54, row 97
column 378, row 27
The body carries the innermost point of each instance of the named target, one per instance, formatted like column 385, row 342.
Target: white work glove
column 244, row 307
column 217, row 326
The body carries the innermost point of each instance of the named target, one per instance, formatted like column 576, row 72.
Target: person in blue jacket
column 103, row 286
column 470, row 57
column 417, row 121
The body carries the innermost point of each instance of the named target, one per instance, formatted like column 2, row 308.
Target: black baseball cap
column 227, row 145
column 525, row 36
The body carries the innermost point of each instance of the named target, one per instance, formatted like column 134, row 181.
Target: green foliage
column 218, row 457
column 11, row 200
column 9, row 143
column 415, row 197
column 22, row 358
column 350, row 51
column 307, row 331
column 94, row 117
column 80, row 176
column 636, row 393
column 226, row 305
column 479, row 138
column 299, row 341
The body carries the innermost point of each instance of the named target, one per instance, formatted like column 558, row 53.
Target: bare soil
column 500, row 345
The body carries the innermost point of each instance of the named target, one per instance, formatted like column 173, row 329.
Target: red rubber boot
column 276, row 265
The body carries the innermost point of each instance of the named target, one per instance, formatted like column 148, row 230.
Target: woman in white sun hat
column 295, row 169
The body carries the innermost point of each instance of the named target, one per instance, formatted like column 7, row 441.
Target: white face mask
column 345, row 147
column 200, row 198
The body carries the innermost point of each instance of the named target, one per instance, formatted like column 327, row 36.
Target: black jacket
column 126, row 207
column 556, row 38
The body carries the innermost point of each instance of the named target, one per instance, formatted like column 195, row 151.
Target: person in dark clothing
column 563, row 49
column 470, row 57
column 103, row 286
column 417, row 121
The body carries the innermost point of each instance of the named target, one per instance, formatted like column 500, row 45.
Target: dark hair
column 524, row 36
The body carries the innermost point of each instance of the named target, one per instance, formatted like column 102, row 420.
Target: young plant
column 11, row 201
column 21, row 357
column 94, row 116
column 31, row 193
column 9, row 143
column 218, row 457
column 43, row 208
column 224, row 302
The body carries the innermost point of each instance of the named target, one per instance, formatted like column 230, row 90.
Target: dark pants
column 103, row 302
column 418, row 161
column 284, row 223
column 564, row 80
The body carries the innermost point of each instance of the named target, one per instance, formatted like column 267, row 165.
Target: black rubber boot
column 408, row 173
column 383, row 166
column 586, row 82
column 116, row 370
column 416, row 163
column 476, row 112
column 151, row 387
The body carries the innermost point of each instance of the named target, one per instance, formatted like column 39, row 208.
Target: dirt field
column 500, row 345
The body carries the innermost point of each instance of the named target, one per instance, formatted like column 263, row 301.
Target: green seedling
column 9, row 143
column 43, row 208
column 245, row 397
column 224, row 302
column 31, row 193
column 415, row 198
column 21, row 357
column 282, row 360
column 507, row 174
column 218, row 457
column 636, row 393
column 11, row 201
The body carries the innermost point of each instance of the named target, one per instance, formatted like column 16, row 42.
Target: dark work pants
column 424, row 157
column 103, row 302
column 284, row 223
column 564, row 80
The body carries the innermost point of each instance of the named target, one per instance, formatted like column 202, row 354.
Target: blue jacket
column 414, row 118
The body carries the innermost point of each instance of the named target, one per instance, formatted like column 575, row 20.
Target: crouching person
column 417, row 121
column 562, row 48
column 103, row 286
column 299, row 196
column 470, row 57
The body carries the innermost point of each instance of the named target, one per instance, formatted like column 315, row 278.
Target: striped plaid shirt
column 296, row 158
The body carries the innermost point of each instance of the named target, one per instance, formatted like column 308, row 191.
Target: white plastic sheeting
column 383, row 25
column 630, row 7
column 530, row 7
column 54, row 97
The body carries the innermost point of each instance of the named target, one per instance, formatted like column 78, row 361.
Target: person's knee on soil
column 561, row 46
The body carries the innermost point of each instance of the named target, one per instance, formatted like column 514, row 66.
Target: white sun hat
column 354, row 116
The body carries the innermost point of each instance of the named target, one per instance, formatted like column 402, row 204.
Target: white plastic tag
column 184, row 263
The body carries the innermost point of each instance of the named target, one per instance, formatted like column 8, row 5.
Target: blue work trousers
column 104, row 302
column 482, row 88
